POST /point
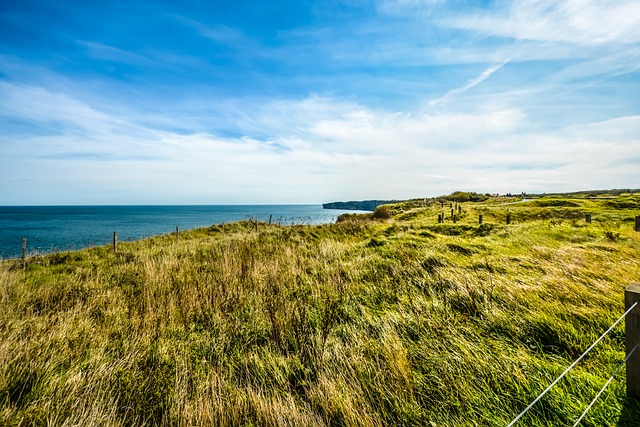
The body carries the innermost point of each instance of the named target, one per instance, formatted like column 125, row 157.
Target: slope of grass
column 364, row 322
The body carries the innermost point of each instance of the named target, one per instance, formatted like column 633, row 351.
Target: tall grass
column 369, row 322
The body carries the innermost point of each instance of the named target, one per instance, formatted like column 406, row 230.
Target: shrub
column 382, row 212
column 466, row 196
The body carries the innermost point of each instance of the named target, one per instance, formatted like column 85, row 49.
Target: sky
column 304, row 101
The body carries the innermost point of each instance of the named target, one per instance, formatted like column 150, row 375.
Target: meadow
column 383, row 319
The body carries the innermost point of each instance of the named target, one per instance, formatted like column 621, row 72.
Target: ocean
column 61, row 228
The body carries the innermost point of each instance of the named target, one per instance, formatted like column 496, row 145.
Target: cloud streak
column 584, row 22
column 470, row 84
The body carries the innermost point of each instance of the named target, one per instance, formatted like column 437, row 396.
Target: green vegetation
column 386, row 319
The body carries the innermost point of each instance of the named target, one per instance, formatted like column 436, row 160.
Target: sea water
column 60, row 228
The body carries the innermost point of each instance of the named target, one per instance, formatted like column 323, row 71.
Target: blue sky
column 247, row 102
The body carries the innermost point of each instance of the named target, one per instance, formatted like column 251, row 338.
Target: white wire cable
column 605, row 386
column 571, row 367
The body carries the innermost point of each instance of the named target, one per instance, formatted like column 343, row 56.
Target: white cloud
column 585, row 22
column 470, row 84
column 308, row 150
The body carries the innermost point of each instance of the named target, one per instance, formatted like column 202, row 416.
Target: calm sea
column 60, row 228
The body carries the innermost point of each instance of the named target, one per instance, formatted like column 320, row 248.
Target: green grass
column 367, row 322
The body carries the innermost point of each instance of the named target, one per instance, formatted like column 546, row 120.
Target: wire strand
column 571, row 367
column 605, row 386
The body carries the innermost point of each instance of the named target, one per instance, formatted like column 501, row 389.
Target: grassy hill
column 381, row 319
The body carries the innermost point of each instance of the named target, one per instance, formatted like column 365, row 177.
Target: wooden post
column 115, row 242
column 638, row 223
column 177, row 234
column 460, row 209
column 452, row 213
column 588, row 218
column 24, row 248
column 270, row 216
column 632, row 329
column 454, row 219
column 480, row 219
column 508, row 219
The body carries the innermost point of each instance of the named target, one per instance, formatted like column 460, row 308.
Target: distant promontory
column 364, row 205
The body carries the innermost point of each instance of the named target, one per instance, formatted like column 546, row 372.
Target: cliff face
column 365, row 205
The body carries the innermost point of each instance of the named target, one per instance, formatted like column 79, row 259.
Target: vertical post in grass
column 115, row 242
column 223, row 228
column 480, row 219
column 588, row 218
column 460, row 209
column 632, row 329
column 508, row 219
column 24, row 248
column 270, row 216
column 452, row 213
column 638, row 223
column 177, row 234
column 454, row 219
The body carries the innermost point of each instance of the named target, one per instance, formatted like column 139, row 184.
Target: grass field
column 388, row 319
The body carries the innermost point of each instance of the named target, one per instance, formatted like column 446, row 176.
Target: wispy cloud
column 585, row 22
column 470, row 84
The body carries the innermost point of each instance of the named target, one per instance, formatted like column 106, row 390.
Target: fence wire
column 571, row 367
column 606, row 385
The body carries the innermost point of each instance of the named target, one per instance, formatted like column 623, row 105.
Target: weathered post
column 177, row 234
column 459, row 209
column 508, row 219
column 439, row 218
column 24, row 248
column 638, row 223
column 270, row 216
column 223, row 228
column 454, row 219
column 115, row 242
column 588, row 218
column 452, row 213
column 480, row 219
column 256, row 225
column 632, row 329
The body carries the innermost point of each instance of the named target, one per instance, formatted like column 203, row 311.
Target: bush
column 382, row 212
column 466, row 196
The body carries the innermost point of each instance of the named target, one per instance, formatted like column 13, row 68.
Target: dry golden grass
column 397, row 321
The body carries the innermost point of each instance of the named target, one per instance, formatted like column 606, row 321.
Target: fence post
column 115, row 242
column 638, row 223
column 508, row 219
column 177, row 234
column 270, row 216
column 454, row 219
column 24, row 248
column 480, row 219
column 632, row 329
column 460, row 209
column 588, row 219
